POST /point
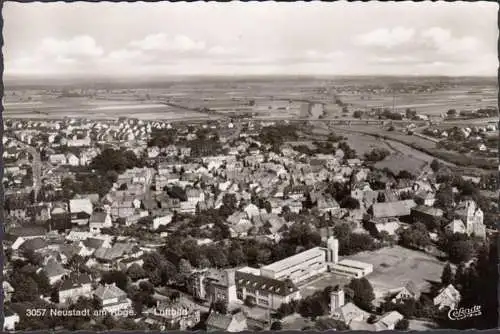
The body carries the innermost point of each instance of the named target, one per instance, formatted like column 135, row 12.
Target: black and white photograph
column 250, row 166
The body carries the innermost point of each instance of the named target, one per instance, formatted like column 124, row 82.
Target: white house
column 447, row 297
column 11, row 319
column 162, row 221
column 72, row 160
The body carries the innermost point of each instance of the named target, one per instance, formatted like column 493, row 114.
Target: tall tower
column 332, row 245
column 231, row 285
column 336, row 299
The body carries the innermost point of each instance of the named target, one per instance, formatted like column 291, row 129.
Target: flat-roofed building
column 351, row 268
column 298, row 267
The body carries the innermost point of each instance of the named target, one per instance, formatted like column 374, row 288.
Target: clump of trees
column 115, row 160
column 352, row 243
column 162, row 138
column 361, row 293
column 377, row 154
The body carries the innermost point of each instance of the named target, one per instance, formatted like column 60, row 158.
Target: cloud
column 408, row 60
column 162, row 42
column 56, row 55
column 387, row 38
column 79, row 46
column 443, row 41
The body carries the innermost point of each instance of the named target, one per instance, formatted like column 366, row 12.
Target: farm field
column 400, row 162
column 393, row 266
column 435, row 103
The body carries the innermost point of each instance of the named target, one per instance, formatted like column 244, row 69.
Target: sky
column 199, row 38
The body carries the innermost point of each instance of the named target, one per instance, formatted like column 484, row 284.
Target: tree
column 377, row 154
column 444, row 197
column 250, row 301
column 363, row 293
column 117, row 277
column 460, row 251
column 276, row 326
column 410, row 113
column 25, row 290
column 435, row 165
column 447, row 275
column 350, row 203
column 402, row 325
column 416, row 237
column 136, row 272
column 357, row 114
column 220, row 306
column 185, row 268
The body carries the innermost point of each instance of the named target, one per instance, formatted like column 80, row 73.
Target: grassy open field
column 363, row 143
column 393, row 266
column 325, row 280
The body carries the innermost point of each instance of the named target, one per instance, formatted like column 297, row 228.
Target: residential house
column 455, row 226
column 122, row 208
column 72, row 159
column 10, row 319
column 387, row 225
column 54, row 271
column 227, row 322
column 447, row 297
column 393, row 209
column 408, row 291
column 213, row 285
column 39, row 213
column 388, row 321
column 98, row 221
column 426, row 214
column 8, row 290
column 76, row 286
column 111, row 298
column 162, row 220
column 80, row 210
column 425, row 197
column 178, row 315
column 58, row 159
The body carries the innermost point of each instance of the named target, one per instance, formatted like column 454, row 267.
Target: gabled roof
column 80, row 204
column 30, row 231
column 54, row 268
column 109, row 291
column 277, row 287
column 390, row 319
column 33, row 244
column 219, row 321
column 93, row 243
column 429, row 210
column 98, row 217
column 118, row 250
column 451, row 292
column 393, row 209
column 75, row 281
column 350, row 312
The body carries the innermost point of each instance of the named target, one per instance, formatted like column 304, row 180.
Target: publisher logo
column 462, row 313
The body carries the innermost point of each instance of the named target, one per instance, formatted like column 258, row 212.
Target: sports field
column 393, row 266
